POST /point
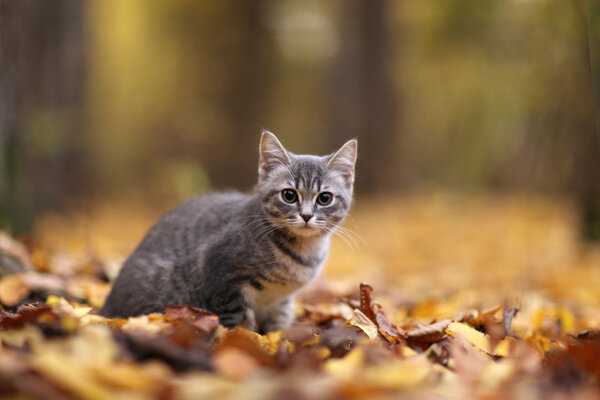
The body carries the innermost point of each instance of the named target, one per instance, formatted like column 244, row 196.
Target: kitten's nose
column 306, row 217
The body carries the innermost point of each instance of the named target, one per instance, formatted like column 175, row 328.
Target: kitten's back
column 189, row 225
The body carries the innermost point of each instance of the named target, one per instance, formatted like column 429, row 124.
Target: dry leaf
column 479, row 340
column 248, row 342
column 323, row 312
column 17, row 251
column 507, row 316
column 428, row 333
column 235, row 363
column 201, row 319
column 348, row 366
column 399, row 374
column 362, row 322
column 386, row 328
column 13, row 289
column 365, row 301
column 145, row 324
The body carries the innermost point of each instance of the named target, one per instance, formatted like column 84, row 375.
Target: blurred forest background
column 159, row 100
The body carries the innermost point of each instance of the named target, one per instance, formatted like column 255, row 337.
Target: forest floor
column 430, row 296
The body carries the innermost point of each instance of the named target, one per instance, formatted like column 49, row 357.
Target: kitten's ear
column 344, row 159
column 272, row 154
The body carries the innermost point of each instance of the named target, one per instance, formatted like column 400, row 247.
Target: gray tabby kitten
column 242, row 256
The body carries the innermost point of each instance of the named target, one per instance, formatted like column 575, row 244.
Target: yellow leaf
column 13, row 289
column 53, row 300
column 235, row 363
column 473, row 336
column 407, row 351
column 145, row 324
column 68, row 362
column 346, row 367
column 566, row 318
column 322, row 353
column 503, row 347
column 270, row 341
column 398, row 374
column 361, row 321
column 70, row 374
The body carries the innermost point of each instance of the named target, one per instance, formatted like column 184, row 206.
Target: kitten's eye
column 289, row 195
column 324, row 198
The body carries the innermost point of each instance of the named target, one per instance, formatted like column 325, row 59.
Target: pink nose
column 306, row 217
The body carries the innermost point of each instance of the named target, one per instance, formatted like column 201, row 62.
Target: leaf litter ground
column 464, row 297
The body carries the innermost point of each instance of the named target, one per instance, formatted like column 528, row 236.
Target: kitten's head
column 308, row 195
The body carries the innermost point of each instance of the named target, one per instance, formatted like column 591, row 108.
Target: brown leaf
column 468, row 363
column 25, row 314
column 365, row 301
column 242, row 339
column 361, row 321
column 235, row 363
column 386, row 328
column 325, row 312
column 339, row 339
column 201, row 319
column 587, row 334
column 575, row 366
column 428, row 333
column 477, row 318
column 507, row 316
column 300, row 333
column 143, row 348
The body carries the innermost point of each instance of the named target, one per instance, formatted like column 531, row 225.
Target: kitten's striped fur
column 242, row 256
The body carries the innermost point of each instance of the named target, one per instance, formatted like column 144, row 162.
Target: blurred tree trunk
column 362, row 103
column 41, row 82
column 247, row 67
column 14, row 210
column 588, row 154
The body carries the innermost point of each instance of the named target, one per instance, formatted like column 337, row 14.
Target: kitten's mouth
column 306, row 229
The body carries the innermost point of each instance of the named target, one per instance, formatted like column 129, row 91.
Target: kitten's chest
column 286, row 275
column 277, row 286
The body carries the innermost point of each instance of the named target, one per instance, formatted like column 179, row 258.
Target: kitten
column 242, row 256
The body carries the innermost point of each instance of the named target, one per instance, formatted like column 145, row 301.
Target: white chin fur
column 305, row 230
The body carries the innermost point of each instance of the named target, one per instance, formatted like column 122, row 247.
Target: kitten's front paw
column 249, row 321
column 278, row 317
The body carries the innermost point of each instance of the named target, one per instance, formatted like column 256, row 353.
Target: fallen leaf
column 13, row 289
column 398, row 374
column 428, row 333
column 365, row 301
column 386, row 328
column 574, row 366
column 361, row 321
column 67, row 362
column 324, row 312
column 476, row 318
column 507, row 316
column 479, row 340
column 24, row 315
column 145, row 324
column 204, row 320
column 143, row 348
column 150, row 378
column 69, row 374
column 346, row 367
column 235, row 363
column 248, row 342
column 15, row 250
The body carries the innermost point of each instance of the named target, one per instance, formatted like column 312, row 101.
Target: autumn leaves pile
column 485, row 298
column 344, row 349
